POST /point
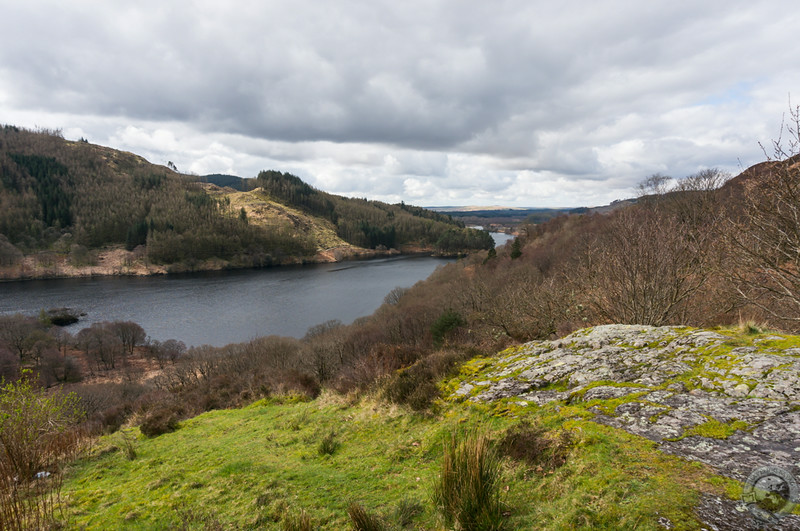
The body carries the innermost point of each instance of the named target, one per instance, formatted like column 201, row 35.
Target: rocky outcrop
column 725, row 399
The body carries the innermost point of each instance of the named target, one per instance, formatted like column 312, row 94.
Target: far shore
column 119, row 262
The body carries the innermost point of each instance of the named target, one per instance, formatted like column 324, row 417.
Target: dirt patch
column 110, row 262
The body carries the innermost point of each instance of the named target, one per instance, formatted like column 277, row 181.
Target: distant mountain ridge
column 506, row 219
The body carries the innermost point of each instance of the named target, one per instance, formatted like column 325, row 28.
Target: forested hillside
column 374, row 224
column 61, row 198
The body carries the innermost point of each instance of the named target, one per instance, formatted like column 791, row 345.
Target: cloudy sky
column 517, row 102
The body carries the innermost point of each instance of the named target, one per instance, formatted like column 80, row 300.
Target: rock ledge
column 726, row 400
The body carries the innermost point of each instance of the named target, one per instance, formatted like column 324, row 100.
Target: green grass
column 260, row 468
column 714, row 429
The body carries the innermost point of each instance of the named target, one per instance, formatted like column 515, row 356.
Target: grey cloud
column 374, row 94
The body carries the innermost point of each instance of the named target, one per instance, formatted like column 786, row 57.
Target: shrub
column 163, row 418
column 300, row 382
column 114, row 417
column 108, row 405
column 38, row 432
column 415, row 386
column 467, row 492
column 449, row 320
column 128, row 446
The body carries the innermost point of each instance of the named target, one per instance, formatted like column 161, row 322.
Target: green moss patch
column 714, row 429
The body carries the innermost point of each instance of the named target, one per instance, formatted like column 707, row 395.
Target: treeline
column 73, row 197
column 374, row 224
column 190, row 380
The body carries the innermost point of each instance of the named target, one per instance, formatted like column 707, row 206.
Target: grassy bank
column 259, row 466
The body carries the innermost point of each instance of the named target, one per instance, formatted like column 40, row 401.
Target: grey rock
column 670, row 380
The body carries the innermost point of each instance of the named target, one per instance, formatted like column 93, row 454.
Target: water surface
column 218, row 308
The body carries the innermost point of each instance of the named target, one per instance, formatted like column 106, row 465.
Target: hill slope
column 603, row 407
column 65, row 204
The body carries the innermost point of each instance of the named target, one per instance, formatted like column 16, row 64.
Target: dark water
column 226, row 307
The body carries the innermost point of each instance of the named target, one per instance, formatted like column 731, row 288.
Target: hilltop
column 73, row 208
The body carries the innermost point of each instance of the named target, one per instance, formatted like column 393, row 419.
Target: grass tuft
column 192, row 518
column 328, row 445
column 406, row 511
column 467, row 492
column 363, row 520
column 296, row 521
column 751, row 328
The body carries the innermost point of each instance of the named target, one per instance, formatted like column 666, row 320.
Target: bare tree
column 645, row 267
column 394, row 296
column 325, row 349
column 765, row 240
column 100, row 344
column 15, row 333
column 62, row 338
column 129, row 333
column 168, row 351
column 527, row 305
column 656, row 185
column 9, row 365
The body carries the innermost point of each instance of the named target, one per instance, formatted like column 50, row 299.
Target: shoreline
column 117, row 262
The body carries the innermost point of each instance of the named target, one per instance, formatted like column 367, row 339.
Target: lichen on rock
column 706, row 395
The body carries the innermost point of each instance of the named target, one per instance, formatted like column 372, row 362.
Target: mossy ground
column 249, row 468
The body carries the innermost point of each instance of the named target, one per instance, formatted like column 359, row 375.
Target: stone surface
column 666, row 384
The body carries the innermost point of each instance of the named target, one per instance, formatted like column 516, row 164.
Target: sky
column 524, row 103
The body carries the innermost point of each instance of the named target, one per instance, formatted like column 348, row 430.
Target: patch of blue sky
column 738, row 94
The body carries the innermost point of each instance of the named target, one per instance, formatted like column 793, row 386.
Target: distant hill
column 229, row 181
column 374, row 224
column 508, row 218
column 733, row 189
column 70, row 200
